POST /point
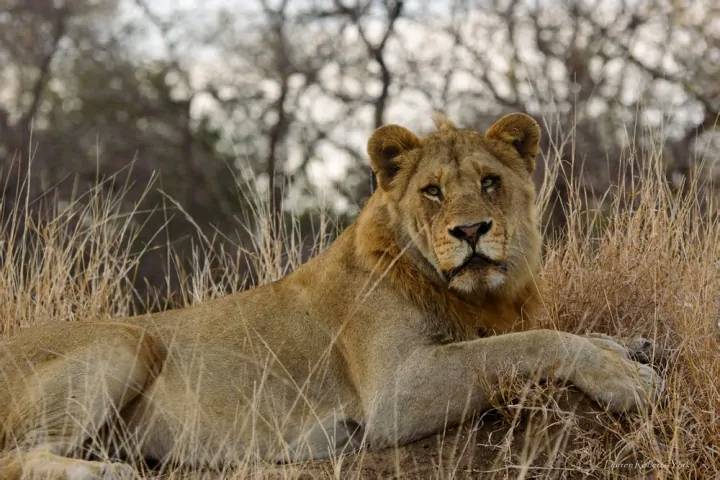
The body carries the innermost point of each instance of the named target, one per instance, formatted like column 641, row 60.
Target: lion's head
column 463, row 199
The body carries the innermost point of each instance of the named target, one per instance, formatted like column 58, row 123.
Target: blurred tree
column 81, row 99
column 290, row 89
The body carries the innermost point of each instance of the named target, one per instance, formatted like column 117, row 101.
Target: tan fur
column 381, row 339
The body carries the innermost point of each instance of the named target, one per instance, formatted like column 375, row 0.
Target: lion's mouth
column 476, row 261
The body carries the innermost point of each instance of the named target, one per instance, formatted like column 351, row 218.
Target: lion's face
column 464, row 199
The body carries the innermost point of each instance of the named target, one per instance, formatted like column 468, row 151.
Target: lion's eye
column 432, row 191
column 490, row 182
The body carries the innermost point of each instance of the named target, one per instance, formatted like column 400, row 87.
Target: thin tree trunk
column 277, row 136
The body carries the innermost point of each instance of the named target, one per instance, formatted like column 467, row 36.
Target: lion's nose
column 471, row 233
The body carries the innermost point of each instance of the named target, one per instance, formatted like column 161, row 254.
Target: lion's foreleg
column 440, row 385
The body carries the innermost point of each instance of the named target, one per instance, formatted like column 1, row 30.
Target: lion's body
column 363, row 345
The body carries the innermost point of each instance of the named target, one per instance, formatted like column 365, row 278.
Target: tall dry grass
column 644, row 258
column 641, row 259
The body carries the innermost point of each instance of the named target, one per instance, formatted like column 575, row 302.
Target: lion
column 404, row 325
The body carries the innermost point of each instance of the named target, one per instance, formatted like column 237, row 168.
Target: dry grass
column 644, row 260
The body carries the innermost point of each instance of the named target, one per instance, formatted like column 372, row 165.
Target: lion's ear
column 520, row 132
column 385, row 146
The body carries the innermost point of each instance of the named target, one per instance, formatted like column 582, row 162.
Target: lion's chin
column 474, row 280
column 477, row 273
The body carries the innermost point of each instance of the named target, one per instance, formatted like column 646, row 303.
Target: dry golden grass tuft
column 66, row 261
column 645, row 260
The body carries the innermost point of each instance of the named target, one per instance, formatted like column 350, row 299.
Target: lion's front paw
column 607, row 375
column 639, row 349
